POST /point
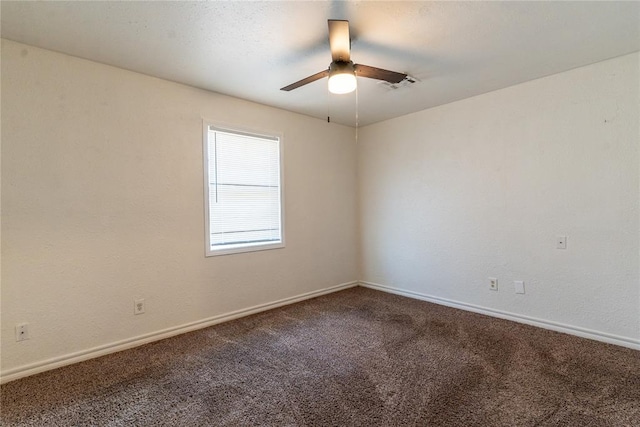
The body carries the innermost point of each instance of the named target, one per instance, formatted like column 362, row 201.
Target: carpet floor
column 353, row 358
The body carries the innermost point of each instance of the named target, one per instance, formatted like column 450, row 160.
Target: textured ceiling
column 251, row 49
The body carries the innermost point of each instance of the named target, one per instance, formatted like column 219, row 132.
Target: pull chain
column 328, row 107
column 357, row 117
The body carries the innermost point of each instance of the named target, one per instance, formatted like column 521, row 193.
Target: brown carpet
column 354, row 358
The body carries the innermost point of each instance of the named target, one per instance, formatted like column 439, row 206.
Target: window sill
column 242, row 249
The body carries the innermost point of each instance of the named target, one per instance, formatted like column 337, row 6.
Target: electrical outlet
column 138, row 306
column 493, row 283
column 22, row 332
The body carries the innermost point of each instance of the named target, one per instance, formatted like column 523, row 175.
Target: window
column 243, row 191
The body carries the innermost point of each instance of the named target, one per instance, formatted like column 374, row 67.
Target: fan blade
column 306, row 80
column 339, row 40
column 379, row 73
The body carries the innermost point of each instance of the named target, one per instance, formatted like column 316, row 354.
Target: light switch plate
column 519, row 286
column 561, row 242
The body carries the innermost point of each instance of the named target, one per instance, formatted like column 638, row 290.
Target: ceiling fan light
column 342, row 83
column 342, row 78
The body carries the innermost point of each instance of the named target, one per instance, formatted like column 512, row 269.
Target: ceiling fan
column 342, row 71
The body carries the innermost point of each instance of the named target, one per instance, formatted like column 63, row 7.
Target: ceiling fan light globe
column 341, row 83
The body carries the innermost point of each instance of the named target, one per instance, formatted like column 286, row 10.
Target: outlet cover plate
column 493, row 283
column 22, row 332
column 138, row 306
column 519, row 286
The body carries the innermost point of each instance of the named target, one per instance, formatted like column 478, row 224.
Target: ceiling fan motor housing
column 341, row 67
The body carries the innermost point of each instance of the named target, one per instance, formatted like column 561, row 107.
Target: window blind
column 244, row 189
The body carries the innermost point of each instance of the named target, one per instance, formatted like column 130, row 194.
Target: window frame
column 247, row 247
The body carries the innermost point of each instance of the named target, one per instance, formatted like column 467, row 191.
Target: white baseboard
column 68, row 359
column 541, row 323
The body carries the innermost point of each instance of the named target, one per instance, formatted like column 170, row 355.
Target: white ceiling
column 251, row 49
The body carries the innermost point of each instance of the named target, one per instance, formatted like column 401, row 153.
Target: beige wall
column 102, row 197
column 481, row 188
